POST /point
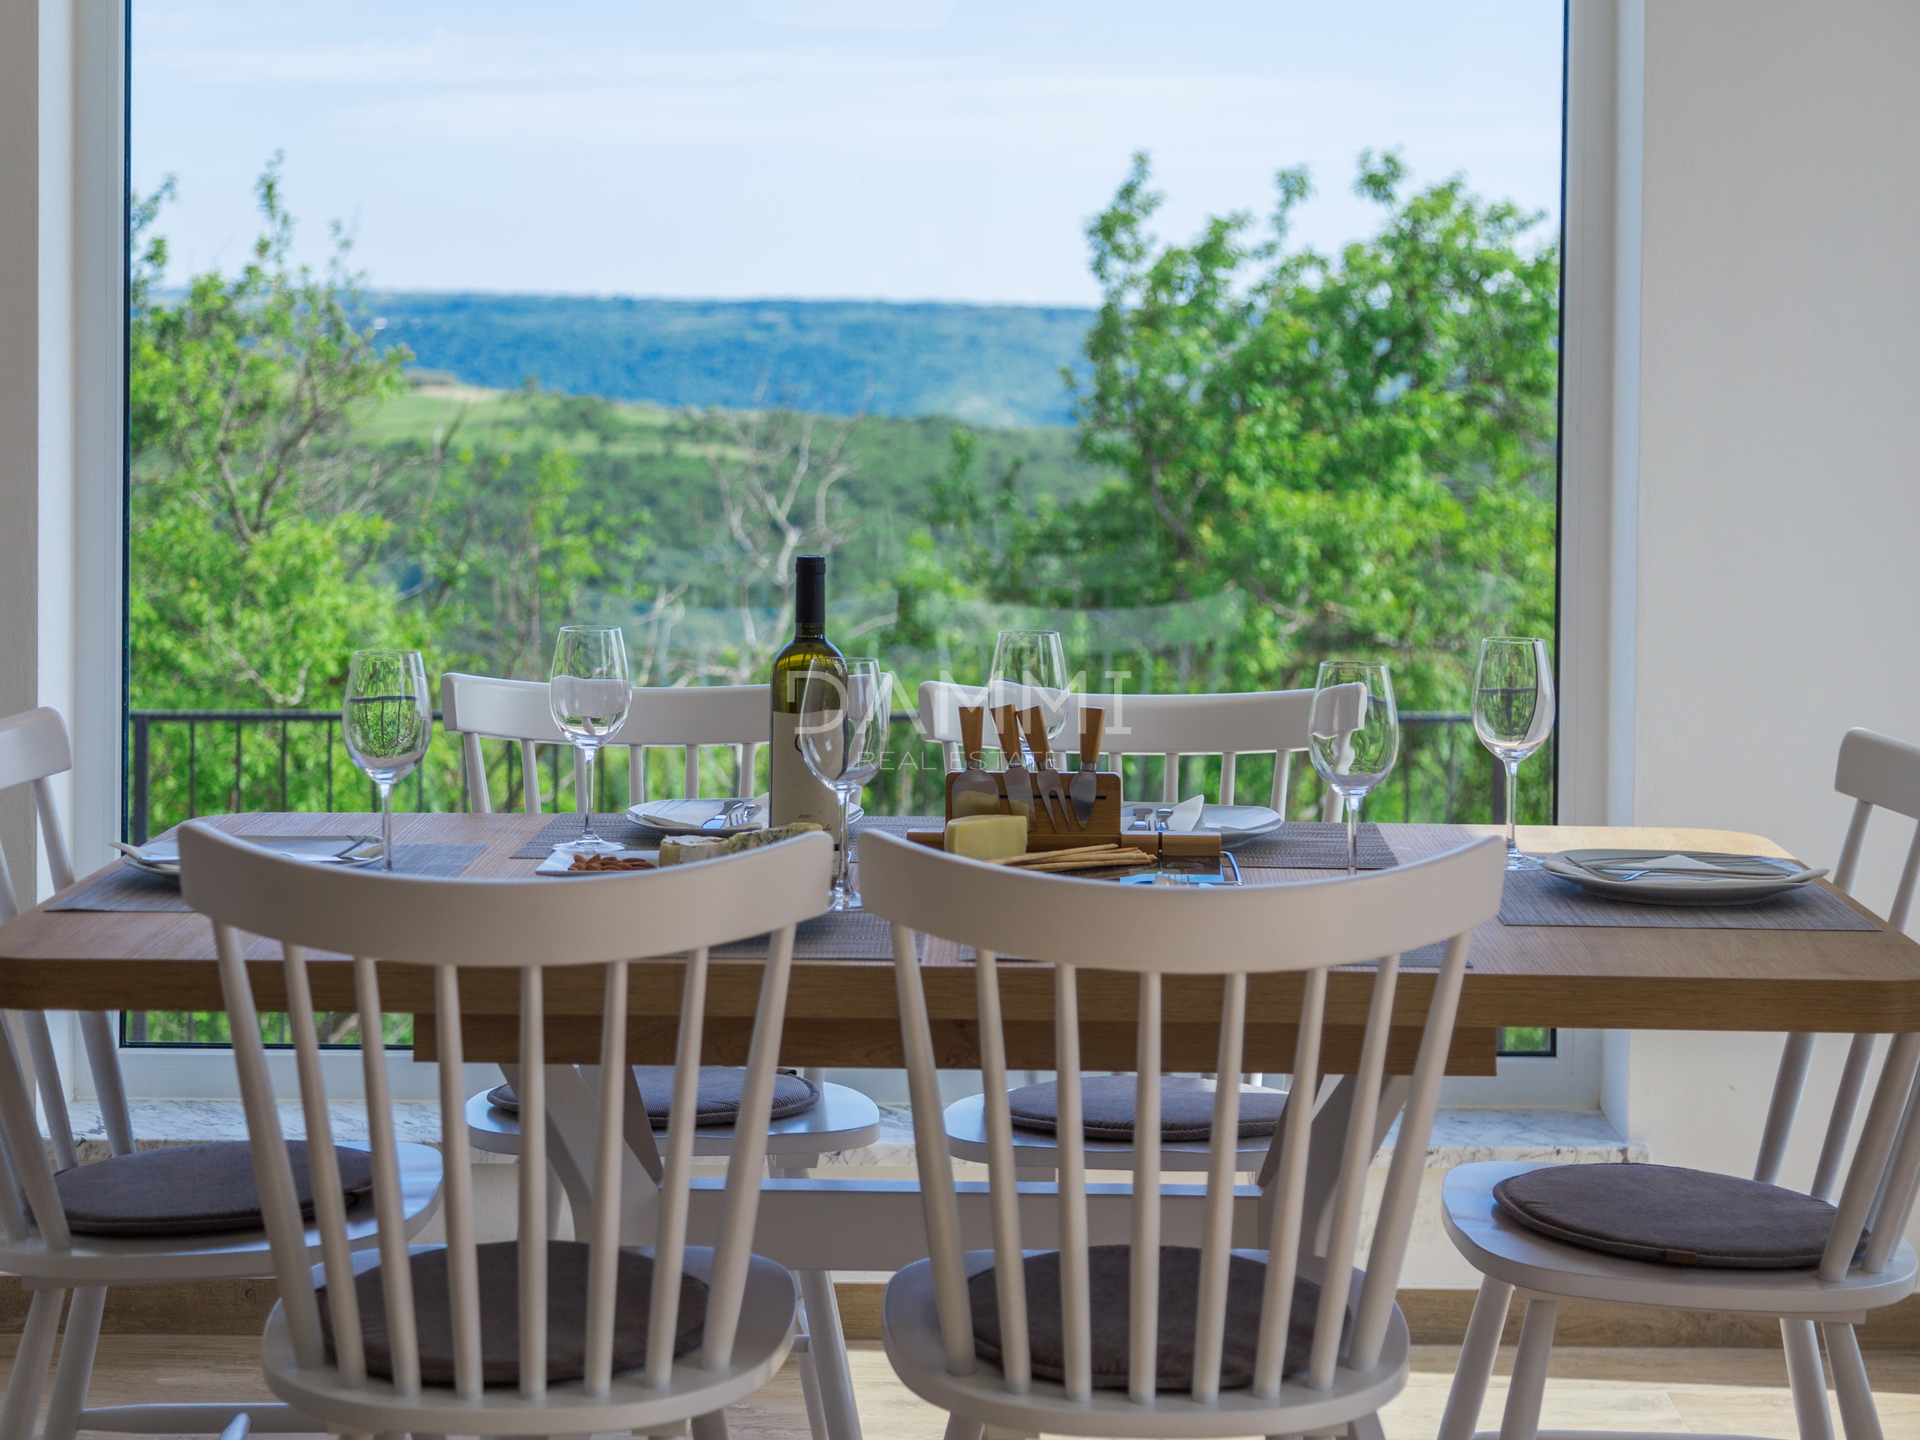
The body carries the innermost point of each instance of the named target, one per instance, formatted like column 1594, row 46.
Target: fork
column 737, row 813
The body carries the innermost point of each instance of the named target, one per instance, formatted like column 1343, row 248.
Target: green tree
column 1362, row 445
column 255, row 523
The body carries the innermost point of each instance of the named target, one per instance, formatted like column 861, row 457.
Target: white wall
column 1777, row 471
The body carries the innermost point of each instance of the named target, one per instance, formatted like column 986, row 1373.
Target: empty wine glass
column 589, row 694
column 843, row 736
column 387, row 721
column 1030, row 668
column 1513, row 713
column 1355, row 735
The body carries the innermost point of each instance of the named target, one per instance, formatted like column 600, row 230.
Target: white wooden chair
column 1274, row 722
column 1243, row 1380
column 737, row 715
column 482, row 707
column 55, row 1251
column 539, row 1337
column 1876, row 1201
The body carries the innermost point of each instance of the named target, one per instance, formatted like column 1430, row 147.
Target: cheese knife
column 975, row 792
column 1019, row 782
column 1085, row 788
column 1053, row 786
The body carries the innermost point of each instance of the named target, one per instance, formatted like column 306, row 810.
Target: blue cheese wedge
column 685, row 849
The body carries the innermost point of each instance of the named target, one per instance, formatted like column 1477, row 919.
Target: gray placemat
column 619, row 828
column 125, row 888
column 1315, row 845
column 834, row 936
column 1534, row 897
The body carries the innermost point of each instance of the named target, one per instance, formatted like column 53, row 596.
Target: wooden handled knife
column 1085, row 788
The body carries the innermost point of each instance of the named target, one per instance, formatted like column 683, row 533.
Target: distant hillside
column 988, row 364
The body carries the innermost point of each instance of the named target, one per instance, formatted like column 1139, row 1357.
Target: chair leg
column 710, row 1427
column 1859, row 1417
column 827, row 1347
column 1522, row 1418
column 77, row 1348
column 555, row 1194
column 1808, row 1379
column 1367, row 1427
column 1477, row 1354
column 30, row 1363
column 961, row 1428
column 810, row 1388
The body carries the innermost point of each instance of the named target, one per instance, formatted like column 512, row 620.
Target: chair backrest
column 1253, row 722
column 1883, row 1181
column 478, row 707
column 526, row 926
column 1154, row 932
column 33, row 749
column 740, row 716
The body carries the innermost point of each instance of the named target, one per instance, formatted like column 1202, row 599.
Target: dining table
column 1848, row 972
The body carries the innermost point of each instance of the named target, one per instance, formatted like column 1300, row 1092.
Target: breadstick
column 1032, row 857
column 1124, row 860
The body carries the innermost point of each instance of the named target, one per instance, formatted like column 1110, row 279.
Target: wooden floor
column 1675, row 1390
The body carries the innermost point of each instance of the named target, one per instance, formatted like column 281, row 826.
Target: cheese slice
column 987, row 837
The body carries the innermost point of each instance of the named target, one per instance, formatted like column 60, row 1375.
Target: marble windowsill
column 1459, row 1136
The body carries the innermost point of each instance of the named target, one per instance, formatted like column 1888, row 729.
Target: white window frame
column 63, row 66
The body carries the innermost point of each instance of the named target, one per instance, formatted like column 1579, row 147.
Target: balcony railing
column 183, row 763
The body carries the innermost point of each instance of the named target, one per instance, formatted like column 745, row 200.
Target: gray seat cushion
column 190, row 1189
column 1106, row 1108
column 1669, row 1214
column 499, row 1265
column 718, row 1100
column 1109, row 1285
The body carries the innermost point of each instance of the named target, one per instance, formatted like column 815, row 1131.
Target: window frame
column 1599, row 230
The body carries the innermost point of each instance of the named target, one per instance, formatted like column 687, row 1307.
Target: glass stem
column 386, row 823
column 583, row 802
column 1513, row 781
column 1353, row 834
column 842, row 871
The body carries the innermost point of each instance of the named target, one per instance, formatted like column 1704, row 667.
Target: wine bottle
column 795, row 793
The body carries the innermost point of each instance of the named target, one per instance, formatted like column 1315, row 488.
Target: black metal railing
column 183, row 763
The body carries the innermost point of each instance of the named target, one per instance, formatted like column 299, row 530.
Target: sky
column 868, row 149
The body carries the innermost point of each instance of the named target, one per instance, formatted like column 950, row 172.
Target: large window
column 1222, row 341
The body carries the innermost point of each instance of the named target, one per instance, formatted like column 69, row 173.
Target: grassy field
column 650, row 467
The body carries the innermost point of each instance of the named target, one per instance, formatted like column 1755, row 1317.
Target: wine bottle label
column 795, row 793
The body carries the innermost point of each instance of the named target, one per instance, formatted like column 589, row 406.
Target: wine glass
column 1355, row 735
column 1030, row 668
column 589, row 694
column 843, row 736
column 1513, row 713
column 386, row 720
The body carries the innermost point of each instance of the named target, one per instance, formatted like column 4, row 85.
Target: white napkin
column 1186, row 815
column 1684, row 867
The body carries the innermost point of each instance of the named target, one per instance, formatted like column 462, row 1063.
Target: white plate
column 162, row 857
column 560, row 862
column 1672, row 888
column 1232, row 823
column 689, row 817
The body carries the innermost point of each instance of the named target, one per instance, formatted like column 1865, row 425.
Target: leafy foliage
column 1361, row 445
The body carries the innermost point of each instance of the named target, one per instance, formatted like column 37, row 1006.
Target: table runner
column 128, row 889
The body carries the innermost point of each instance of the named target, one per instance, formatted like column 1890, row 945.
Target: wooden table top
column 841, row 1012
